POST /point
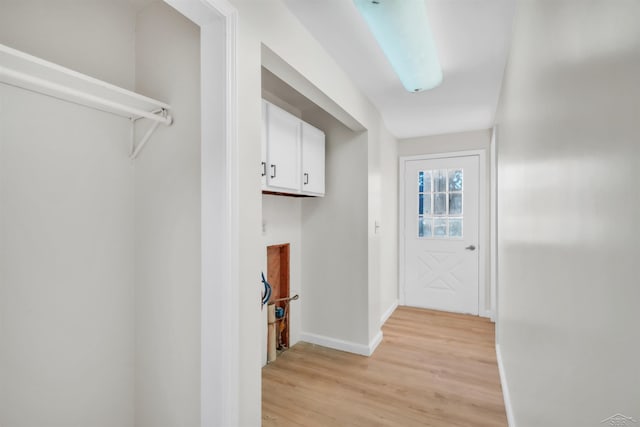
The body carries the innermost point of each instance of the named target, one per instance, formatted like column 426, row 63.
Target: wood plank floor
column 432, row 369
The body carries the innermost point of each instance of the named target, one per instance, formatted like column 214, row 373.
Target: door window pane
column 421, row 182
column 455, row 227
column 440, row 227
column 455, row 203
column 455, row 180
column 440, row 204
column 424, row 227
column 425, row 182
column 440, row 181
column 425, row 208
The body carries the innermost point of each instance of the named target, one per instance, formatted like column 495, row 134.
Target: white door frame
column 219, row 370
column 482, row 205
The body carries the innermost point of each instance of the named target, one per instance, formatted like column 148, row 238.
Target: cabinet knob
column 264, row 168
column 306, row 178
column 273, row 171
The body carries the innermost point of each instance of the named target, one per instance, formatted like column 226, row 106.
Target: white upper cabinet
column 312, row 160
column 293, row 154
column 283, row 150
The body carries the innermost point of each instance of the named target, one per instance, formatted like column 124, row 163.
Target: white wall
column 388, row 224
column 568, row 213
column 334, row 229
column 446, row 143
column 66, row 204
column 92, row 37
column 282, row 223
column 464, row 141
column 66, row 265
column 374, row 205
column 167, row 215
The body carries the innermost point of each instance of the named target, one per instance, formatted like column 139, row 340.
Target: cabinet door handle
column 306, row 178
column 264, row 168
column 273, row 171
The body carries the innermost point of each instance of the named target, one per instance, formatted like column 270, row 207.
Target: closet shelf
column 29, row 72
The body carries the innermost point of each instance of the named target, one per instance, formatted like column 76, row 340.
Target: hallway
column 441, row 374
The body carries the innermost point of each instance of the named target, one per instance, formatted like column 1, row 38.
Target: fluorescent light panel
column 401, row 28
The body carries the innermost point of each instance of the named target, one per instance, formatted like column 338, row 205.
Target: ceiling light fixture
column 402, row 31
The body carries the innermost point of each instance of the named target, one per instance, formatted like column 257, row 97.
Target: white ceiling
column 472, row 38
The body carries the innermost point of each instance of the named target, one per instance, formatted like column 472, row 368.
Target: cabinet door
column 312, row 160
column 283, row 149
column 263, row 146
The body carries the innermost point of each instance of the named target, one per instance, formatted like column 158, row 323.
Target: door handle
column 470, row 248
column 264, row 168
column 306, row 178
column 273, row 173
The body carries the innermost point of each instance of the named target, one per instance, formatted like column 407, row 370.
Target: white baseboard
column 337, row 344
column 489, row 314
column 374, row 343
column 505, row 389
column 385, row 316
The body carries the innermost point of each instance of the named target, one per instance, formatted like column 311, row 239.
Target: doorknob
column 470, row 248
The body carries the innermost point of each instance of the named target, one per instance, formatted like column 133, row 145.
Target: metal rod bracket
column 136, row 148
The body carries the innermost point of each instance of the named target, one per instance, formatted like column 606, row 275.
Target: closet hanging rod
column 14, row 78
column 29, row 72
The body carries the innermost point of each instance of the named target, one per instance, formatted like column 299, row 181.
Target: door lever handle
column 470, row 248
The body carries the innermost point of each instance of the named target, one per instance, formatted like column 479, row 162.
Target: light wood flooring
column 431, row 369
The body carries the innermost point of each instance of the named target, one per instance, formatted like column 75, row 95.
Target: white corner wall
column 167, row 218
column 387, row 229
column 464, row 141
column 568, row 213
column 334, row 235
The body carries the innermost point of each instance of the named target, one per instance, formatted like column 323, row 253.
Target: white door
column 283, row 149
column 312, row 159
column 441, row 218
